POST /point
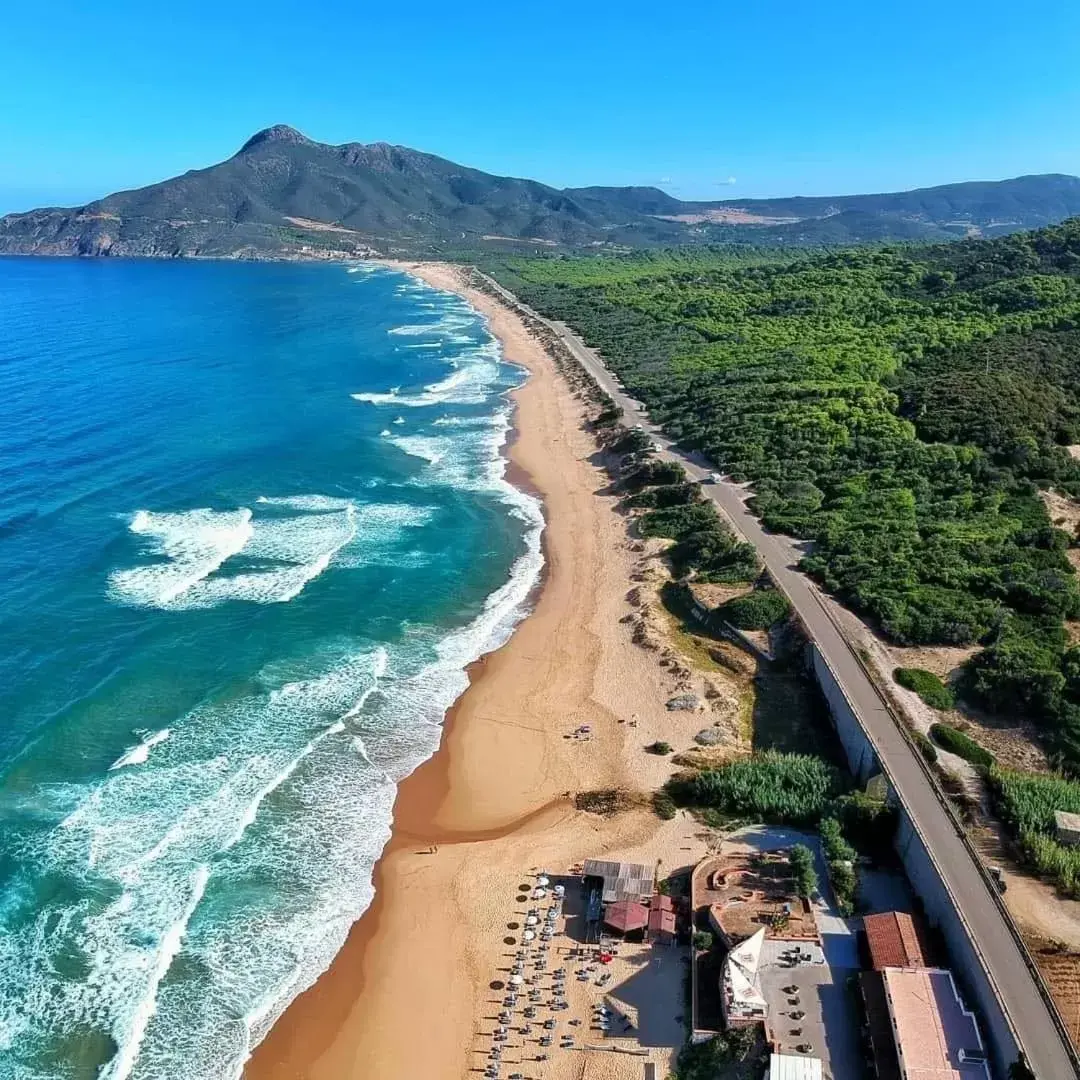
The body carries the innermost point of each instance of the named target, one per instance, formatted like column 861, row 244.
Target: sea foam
column 288, row 543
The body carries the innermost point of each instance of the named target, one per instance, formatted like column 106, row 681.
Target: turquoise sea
column 253, row 526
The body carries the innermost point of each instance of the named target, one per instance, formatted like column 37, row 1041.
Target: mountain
column 1022, row 203
column 284, row 195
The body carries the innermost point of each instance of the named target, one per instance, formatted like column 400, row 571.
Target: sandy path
column 406, row 994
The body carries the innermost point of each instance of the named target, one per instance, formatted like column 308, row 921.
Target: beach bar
column 620, row 881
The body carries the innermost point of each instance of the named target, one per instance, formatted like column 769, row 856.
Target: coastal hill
column 282, row 194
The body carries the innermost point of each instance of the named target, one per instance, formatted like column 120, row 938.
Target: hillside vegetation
column 898, row 407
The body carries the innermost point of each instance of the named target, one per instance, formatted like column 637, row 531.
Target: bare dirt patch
column 319, row 226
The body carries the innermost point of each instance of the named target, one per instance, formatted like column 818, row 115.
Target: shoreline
column 496, row 797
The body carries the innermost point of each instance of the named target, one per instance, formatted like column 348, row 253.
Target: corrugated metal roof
column 622, row 881
column 790, row 1067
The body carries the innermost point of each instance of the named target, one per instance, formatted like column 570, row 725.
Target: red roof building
column 893, row 941
column 661, row 924
column 626, row 916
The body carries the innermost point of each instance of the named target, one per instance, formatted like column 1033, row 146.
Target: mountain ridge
column 284, row 195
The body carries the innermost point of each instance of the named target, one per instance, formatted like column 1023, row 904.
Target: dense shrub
column 704, row 545
column 664, row 496
column 664, row 805
column 716, row 1057
column 956, row 742
column 927, row 685
column 868, row 823
column 757, row 610
column 801, row 861
column 791, row 788
column 840, row 857
column 653, row 472
column 660, row 748
column 899, row 407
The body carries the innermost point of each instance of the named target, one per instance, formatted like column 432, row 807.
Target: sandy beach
column 406, row 995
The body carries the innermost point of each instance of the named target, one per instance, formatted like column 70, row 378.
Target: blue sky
column 707, row 100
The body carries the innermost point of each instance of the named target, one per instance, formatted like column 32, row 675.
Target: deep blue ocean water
column 253, row 527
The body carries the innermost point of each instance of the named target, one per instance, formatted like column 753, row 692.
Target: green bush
column 840, row 857
column 925, row 747
column 801, row 861
column 630, row 442
column 956, row 742
column 664, row 496
column 868, row 823
column 832, row 840
column 757, row 610
column 703, row 940
column 927, row 685
column 786, row 788
column 664, row 805
column 715, row 1057
column 659, row 747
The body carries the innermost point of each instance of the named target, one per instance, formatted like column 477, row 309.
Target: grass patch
column 1026, row 804
column 927, row 685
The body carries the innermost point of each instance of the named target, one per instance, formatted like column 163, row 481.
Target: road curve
column 1028, row 1012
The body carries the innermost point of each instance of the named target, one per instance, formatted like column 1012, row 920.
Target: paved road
column 1028, row 1012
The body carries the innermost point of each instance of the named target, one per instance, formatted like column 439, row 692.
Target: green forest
column 900, row 407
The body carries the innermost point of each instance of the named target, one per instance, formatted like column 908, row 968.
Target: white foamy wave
column 431, row 448
column 451, row 324
column 470, row 459
column 306, row 502
column 195, row 543
column 121, row 1065
column 468, row 421
column 470, row 382
column 136, row 835
column 138, row 755
column 297, row 540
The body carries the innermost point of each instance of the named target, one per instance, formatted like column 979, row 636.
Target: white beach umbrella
column 528, row 935
column 541, row 880
column 539, row 894
column 516, row 980
column 532, row 920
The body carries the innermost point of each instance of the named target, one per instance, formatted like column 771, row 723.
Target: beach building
column 892, row 941
column 1067, row 828
column 740, row 985
column 793, row 1067
column 662, row 922
column 626, row 917
column 618, row 881
column 920, row 1028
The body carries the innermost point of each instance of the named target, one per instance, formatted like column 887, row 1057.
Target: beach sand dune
column 406, row 995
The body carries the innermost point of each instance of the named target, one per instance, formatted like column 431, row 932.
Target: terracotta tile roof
column 893, row 941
